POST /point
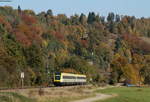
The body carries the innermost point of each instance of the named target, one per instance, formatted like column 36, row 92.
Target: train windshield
column 57, row 77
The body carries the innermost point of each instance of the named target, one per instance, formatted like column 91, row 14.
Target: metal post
column 22, row 82
column 22, row 79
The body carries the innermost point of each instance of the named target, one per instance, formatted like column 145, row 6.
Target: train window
column 57, row 77
column 81, row 77
column 68, row 77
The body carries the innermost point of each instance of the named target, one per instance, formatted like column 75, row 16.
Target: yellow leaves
column 45, row 43
column 117, row 55
column 104, row 45
column 131, row 73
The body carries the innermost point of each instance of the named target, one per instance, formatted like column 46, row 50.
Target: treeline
column 107, row 49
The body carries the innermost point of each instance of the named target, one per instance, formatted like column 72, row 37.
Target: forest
column 108, row 49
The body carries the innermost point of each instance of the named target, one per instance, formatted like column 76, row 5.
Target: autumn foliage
column 108, row 49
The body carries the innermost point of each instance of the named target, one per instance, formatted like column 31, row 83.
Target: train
column 64, row 79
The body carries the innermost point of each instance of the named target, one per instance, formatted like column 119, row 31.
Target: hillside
column 107, row 49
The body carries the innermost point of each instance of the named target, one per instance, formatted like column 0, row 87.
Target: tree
column 12, row 61
column 104, row 55
column 15, row 50
column 91, row 17
column 111, row 17
column 80, row 65
column 49, row 12
column 35, row 60
column 83, row 19
column 118, row 44
column 117, row 18
column 102, row 19
column 111, row 23
column 145, row 71
column 19, row 9
column 28, row 19
column 55, row 45
column 97, row 18
column 114, row 49
column 75, row 19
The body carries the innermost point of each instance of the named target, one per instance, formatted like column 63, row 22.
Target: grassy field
column 127, row 94
column 65, row 94
column 14, row 97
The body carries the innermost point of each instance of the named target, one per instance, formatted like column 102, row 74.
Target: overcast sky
column 138, row 8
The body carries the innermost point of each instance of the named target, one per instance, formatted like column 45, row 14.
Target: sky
column 138, row 8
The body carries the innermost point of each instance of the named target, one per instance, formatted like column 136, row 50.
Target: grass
column 13, row 97
column 127, row 94
column 68, row 99
column 57, row 95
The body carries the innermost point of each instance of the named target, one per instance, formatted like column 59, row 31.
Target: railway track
column 21, row 88
column 38, row 87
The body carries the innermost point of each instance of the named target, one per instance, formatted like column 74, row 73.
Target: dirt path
column 99, row 96
column 96, row 98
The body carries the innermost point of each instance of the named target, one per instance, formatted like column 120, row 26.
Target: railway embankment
column 57, row 94
column 50, row 94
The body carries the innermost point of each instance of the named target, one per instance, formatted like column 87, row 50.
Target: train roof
column 73, row 74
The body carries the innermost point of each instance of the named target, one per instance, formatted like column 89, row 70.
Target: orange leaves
column 22, row 38
column 122, row 61
column 119, row 61
column 59, row 36
column 37, row 29
column 26, row 35
column 137, row 43
column 28, row 19
column 69, row 70
column 131, row 38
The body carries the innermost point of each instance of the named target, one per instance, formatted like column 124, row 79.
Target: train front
column 57, row 79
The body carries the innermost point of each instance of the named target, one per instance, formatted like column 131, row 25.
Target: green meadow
column 127, row 94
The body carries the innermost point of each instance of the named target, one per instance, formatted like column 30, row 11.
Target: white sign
column 22, row 74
